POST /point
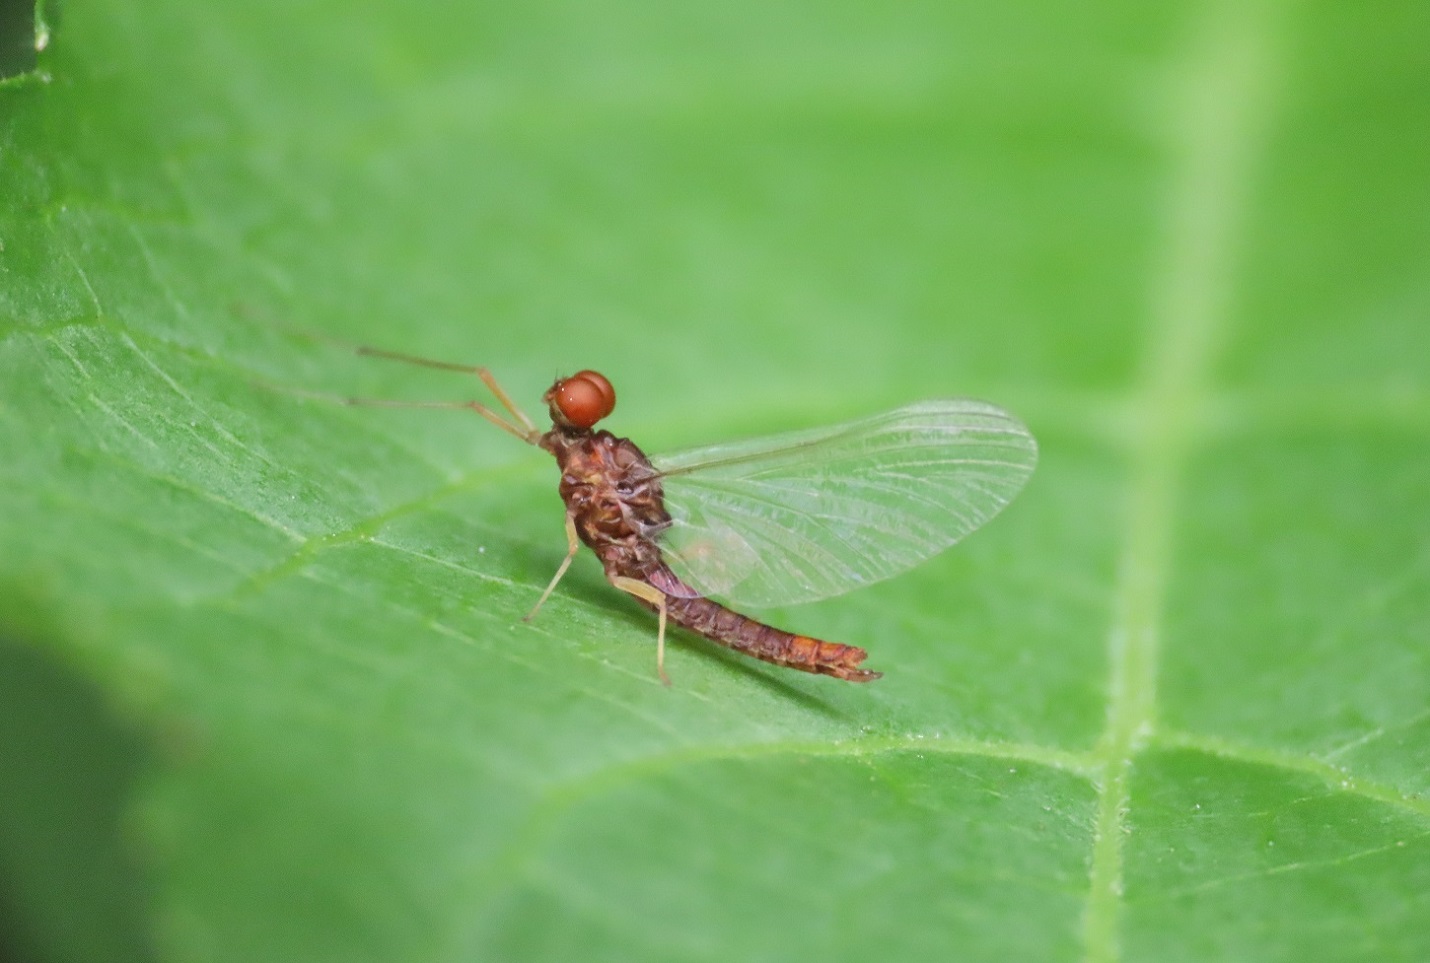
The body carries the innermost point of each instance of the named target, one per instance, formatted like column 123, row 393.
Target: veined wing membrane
column 802, row 516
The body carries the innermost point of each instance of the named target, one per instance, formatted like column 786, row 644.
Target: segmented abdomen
column 744, row 634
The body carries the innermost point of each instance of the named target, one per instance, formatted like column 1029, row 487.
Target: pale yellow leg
column 573, row 545
column 524, row 429
column 656, row 597
column 505, row 399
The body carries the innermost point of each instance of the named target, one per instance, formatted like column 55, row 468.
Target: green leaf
column 1172, row 705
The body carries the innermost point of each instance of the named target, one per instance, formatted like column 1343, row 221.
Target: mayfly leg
column 655, row 597
column 639, row 589
column 479, row 370
column 481, row 409
column 525, row 428
column 573, row 545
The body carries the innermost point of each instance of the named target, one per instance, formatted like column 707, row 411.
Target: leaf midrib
column 1223, row 109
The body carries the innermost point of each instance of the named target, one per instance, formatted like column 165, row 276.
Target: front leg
column 653, row 595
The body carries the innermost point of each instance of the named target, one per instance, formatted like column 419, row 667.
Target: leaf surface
column 1170, row 705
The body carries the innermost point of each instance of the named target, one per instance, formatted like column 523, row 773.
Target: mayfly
column 771, row 521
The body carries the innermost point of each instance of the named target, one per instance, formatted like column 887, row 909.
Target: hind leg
column 653, row 595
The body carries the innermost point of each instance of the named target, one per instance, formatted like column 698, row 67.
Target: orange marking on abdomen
column 744, row 634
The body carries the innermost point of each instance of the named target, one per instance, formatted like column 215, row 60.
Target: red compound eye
column 585, row 398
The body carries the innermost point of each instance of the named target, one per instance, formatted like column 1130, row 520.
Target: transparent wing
column 802, row 516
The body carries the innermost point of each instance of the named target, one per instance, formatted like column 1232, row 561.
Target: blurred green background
column 264, row 692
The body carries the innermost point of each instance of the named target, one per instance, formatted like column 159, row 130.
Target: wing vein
column 806, row 515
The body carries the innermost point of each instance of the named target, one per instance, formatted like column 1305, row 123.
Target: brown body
column 614, row 504
column 613, row 496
